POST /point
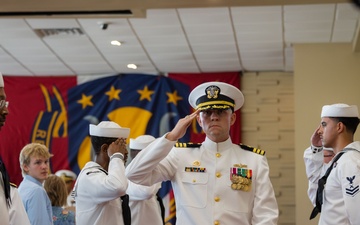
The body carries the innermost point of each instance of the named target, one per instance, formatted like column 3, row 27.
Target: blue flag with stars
column 146, row 104
column 59, row 111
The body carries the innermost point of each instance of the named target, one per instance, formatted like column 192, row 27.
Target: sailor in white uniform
column 143, row 201
column 100, row 184
column 340, row 196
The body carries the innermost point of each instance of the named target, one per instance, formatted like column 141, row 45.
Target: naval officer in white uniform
column 4, row 177
column 215, row 182
column 12, row 210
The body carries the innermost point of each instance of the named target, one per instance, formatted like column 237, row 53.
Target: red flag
column 29, row 98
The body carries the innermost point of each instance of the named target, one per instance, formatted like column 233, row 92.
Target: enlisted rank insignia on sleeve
column 252, row 149
column 351, row 190
column 13, row 185
column 187, row 145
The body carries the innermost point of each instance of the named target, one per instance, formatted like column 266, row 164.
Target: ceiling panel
column 259, row 34
column 207, row 28
column 208, row 38
column 163, row 39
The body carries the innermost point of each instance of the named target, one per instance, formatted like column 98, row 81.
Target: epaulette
column 13, row 185
column 252, row 149
column 187, row 145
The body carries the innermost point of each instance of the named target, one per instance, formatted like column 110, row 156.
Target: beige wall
column 268, row 124
column 323, row 74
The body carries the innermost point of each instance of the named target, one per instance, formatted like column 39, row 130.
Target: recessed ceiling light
column 116, row 43
column 132, row 66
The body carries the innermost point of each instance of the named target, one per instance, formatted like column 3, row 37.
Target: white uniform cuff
column 316, row 149
column 117, row 155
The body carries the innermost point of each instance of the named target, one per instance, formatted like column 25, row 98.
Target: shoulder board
column 12, row 184
column 187, row 145
column 252, row 149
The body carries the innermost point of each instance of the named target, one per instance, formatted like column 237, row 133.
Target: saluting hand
column 118, row 146
column 315, row 138
column 181, row 127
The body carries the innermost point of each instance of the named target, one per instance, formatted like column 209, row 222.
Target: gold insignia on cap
column 212, row 91
column 196, row 163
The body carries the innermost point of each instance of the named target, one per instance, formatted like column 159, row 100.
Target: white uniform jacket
column 4, row 209
column 204, row 195
column 145, row 208
column 17, row 211
column 315, row 168
column 97, row 194
column 341, row 193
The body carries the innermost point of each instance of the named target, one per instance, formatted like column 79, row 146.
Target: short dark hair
column 97, row 142
column 350, row 123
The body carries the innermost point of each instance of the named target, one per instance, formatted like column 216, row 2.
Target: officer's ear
column 233, row 118
column 198, row 119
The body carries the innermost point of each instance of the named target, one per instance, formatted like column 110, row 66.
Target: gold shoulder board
column 14, row 185
column 187, row 145
column 252, row 149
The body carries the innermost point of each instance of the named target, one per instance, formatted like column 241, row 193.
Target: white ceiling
column 211, row 39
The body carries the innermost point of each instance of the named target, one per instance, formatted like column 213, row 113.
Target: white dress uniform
column 17, row 211
column 201, row 182
column 97, row 194
column 315, row 168
column 4, row 210
column 145, row 208
column 341, row 193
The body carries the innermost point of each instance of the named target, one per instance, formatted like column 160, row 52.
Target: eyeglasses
column 3, row 104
